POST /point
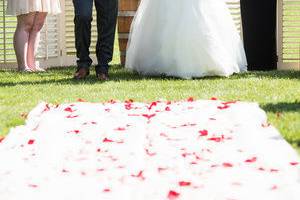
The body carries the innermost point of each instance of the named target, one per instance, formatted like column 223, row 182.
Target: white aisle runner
column 188, row 150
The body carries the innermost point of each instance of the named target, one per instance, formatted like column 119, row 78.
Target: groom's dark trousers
column 259, row 27
column 107, row 11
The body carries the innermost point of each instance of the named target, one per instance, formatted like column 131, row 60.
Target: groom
column 107, row 11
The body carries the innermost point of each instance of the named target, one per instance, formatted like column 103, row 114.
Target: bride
column 185, row 38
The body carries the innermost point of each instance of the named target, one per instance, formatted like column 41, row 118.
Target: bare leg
column 21, row 37
column 34, row 39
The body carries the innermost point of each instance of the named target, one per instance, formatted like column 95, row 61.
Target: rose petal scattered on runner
column 223, row 107
column 226, row 164
column 72, row 116
column 184, row 183
column 190, row 150
column 149, row 116
column 74, row 131
column 251, row 160
column 106, row 190
column 139, row 175
column 31, row 141
column 203, row 133
column 167, row 108
column 294, row 163
column 190, row 99
column 173, row 195
column 107, row 140
column 120, row 129
column 69, row 109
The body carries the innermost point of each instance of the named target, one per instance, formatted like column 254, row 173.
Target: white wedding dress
column 185, row 38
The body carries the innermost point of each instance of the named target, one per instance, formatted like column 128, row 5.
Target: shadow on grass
column 63, row 76
column 274, row 74
column 285, row 107
column 282, row 107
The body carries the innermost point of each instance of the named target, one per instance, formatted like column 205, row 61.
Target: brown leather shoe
column 102, row 72
column 103, row 77
column 81, row 73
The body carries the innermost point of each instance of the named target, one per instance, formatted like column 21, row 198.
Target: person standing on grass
column 107, row 11
column 31, row 16
column 186, row 39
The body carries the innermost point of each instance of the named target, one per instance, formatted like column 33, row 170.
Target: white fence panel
column 288, row 34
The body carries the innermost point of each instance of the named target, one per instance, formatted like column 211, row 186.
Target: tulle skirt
column 19, row 7
column 190, row 38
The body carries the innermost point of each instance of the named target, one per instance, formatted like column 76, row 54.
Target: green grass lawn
column 278, row 93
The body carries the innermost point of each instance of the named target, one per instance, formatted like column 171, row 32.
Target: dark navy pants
column 107, row 11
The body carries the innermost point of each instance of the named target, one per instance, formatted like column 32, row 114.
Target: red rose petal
column 1, row 139
column 120, row 129
column 214, row 98
column 152, row 105
column 47, row 108
column 149, row 116
column 216, row 139
column 184, row 183
column 291, row 163
column 203, row 133
column 149, row 153
column 72, row 116
column 128, row 106
column 167, row 108
column 30, row 142
column 106, row 190
column 190, row 99
column 75, row 131
column 139, row 175
column 173, row 195
column 227, row 165
column 223, row 107
column 68, row 109
column 229, row 102
column 107, row 140
column 251, row 160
